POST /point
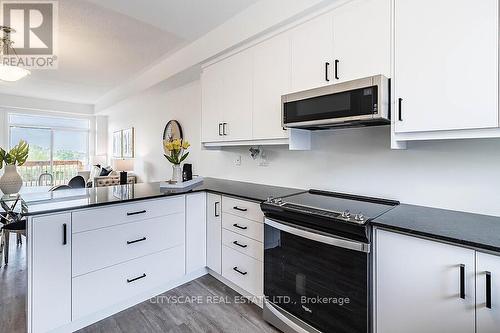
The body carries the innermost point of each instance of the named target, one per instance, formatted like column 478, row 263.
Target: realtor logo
column 35, row 37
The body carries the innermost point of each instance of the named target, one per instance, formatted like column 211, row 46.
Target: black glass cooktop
column 339, row 203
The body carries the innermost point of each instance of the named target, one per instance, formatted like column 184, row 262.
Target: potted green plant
column 11, row 182
column 176, row 154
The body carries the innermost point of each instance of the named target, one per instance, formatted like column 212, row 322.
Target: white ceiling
column 103, row 43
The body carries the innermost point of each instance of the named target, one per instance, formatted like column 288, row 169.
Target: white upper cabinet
column 446, row 64
column 211, row 96
column 361, row 40
column 237, row 96
column 227, row 99
column 271, row 80
column 312, row 53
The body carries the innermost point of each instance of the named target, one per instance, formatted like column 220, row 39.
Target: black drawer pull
column 136, row 241
column 220, row 129
column 488, row 290
column 240, row 245
column 239, row 226
column 136, row 213
column 216, row 211
column 240, row 209
column 400, row 114
column 337, row 69
column 65, row 234
column 462, row 281
column 235, row 268
column 327, row 64
column 137, row 278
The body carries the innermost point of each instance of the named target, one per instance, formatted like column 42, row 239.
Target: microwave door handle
column 330, row 240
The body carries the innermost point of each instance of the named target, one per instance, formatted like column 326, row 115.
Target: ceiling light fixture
column 9, row 72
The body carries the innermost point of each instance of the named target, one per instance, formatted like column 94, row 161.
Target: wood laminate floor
column 204, row 316
column 13, row 288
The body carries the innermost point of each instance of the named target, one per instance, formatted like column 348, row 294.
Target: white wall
column 462, row 175
column 148, row 113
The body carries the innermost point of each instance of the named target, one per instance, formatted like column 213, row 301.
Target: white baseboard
column 100, row 315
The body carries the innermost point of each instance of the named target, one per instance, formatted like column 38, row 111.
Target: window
column 58, row 146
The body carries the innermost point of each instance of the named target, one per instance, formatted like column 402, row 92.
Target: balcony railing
column 61, row 171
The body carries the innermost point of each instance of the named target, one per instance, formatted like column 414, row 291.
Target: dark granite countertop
column 474, row 230
column 43, row 202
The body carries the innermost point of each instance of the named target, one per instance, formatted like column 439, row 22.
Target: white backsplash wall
column 457, row 174
column 461, row 175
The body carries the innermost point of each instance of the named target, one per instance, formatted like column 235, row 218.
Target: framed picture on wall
column 128, row 143
column 117, row 144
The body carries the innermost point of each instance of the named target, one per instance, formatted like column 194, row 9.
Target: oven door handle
column 318, row 237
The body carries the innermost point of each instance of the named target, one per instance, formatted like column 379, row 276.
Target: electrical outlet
column 237, row 161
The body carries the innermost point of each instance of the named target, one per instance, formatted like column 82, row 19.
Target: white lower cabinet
column 214, row 232
column 487, row 293
column 244, row 271
column 242, row 244
column 107, row 287
column 418, row 286
column 432, row 287
column 50, row 262
column 196, row 235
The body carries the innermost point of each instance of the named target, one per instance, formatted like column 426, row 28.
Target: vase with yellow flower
column 175, row 152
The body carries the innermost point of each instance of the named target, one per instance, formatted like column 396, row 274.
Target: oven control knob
column 359, row 217
column 346, row 214
column 270, row 199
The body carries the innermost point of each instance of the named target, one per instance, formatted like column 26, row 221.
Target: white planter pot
column 10, row 182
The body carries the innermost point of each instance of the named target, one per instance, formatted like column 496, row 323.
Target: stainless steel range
column 317, row 261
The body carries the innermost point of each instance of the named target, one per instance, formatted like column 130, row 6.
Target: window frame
column 52, row 129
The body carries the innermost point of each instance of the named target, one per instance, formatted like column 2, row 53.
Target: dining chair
column 77, row 182
column 45, row 179
column 18, row 227
column 60, row 187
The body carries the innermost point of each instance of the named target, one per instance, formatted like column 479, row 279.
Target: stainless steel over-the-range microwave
column 362, row 102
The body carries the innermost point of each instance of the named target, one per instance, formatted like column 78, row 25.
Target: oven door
column 321, row 280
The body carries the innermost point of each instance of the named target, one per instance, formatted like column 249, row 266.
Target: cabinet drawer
column 101, row 289
column 118, row 214
column 243, row 208
column 96, row 249
column 243, row 226
column 243, row 244
column 242, row 270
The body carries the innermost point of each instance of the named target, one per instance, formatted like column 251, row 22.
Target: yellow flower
column 168, row 145
column 185, row 145
column 176, row 144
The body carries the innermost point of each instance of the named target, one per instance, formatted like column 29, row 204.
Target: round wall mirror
column 172, row 131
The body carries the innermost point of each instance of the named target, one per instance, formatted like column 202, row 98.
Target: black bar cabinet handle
column 137, row 278
column 136, row 213
column 65, row 234
column 462, row 281
column 220, row 129
column 224, row 128
column 337, row 69
column 239, row 226
column 215, row 209
column 240, row 245
column 327, row 65
column 240, row 209
column 136, row 241
column 237, row 270
column 488, row 290
column 400, row 116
